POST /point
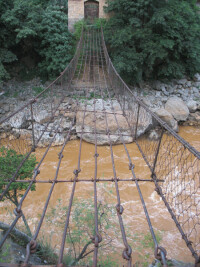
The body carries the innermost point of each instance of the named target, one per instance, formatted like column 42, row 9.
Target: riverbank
column 176, row 103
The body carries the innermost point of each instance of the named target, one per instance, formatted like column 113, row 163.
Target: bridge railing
column 26, row 128
column 168, row 156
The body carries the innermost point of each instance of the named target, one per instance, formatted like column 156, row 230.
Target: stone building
column 88, row 9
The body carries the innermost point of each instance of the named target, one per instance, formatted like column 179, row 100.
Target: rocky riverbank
column 177, row 102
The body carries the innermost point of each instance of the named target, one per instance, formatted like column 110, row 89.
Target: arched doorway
column 91, row 10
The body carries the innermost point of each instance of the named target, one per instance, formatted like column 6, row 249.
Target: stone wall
column 76, row 11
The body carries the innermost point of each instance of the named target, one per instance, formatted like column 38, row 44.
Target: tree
column 36, row 30
column 56, row 47
column 9, row 161
column 6, row 41
column 152, row 39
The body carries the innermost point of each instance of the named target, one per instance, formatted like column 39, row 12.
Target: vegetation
column 78, row 26
column 34, row 34
column 78, row 241
column 153, row 39
column 9, row 161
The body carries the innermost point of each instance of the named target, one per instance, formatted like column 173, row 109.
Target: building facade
column 88, row 9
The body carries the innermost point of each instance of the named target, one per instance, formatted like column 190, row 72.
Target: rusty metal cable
column 119, row 208
column 78, row 170
column 131, row 166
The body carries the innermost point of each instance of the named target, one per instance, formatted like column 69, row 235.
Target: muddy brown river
column 134, row 218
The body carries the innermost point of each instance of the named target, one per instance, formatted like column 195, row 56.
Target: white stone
column 42, row 117
column 182, row 81
column 177, row 108
column 17, row 120
column 167, row 117
column 115, row 127
column 197, row 77
column 192, row 105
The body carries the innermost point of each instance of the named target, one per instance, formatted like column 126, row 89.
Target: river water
column 133, row 216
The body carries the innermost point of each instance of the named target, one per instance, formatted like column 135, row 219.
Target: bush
column 78, row 26
column 9, row 161
column 152, row 39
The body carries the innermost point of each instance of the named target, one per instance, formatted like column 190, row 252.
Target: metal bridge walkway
column 90, row 76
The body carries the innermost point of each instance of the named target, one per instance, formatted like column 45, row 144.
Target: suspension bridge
column 173, row 163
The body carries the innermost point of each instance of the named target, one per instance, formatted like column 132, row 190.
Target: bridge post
column 136, row 126
column 157, row 152
column 32, row 124
column 51, row 92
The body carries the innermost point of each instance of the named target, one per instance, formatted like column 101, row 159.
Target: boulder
column 197, row 77
column 115, row 130
column 102, row 138
column 167, row 117
column 197, row 84
column 17, row 121
column 42, row 117
column 177, row 108
column 192, row 105
column 194, row 119
column 158, row 86
column 182, row 81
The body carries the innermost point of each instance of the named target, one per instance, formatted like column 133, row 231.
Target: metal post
column 32, row 123
column 157, row 152
column 136, row 126
column 51, row 101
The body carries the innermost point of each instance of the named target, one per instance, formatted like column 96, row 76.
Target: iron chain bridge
column 92, row 68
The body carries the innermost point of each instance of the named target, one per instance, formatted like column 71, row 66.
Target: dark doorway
column 91, row 10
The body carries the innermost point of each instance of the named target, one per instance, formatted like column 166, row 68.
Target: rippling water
column 133, row 212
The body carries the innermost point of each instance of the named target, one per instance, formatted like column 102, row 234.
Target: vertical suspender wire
column 127, row 250
column 77, row 171
column 158, row 249
column 97, row 238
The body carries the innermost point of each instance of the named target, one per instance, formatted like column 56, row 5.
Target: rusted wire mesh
column 90, row 78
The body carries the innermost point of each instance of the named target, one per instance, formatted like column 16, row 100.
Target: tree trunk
column 16, row 233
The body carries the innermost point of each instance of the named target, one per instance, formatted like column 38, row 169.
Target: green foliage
column 5, row 252
column 46, row 251
column 56, row 45
column 37, row 90
column 143, row 241
column 82, row 229
column 6, row 40
column 78, row 26
column 99, row 22
column 35, row 30
column 9, row 161
column 152, row 39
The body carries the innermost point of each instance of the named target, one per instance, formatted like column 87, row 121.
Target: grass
column 37, row 90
